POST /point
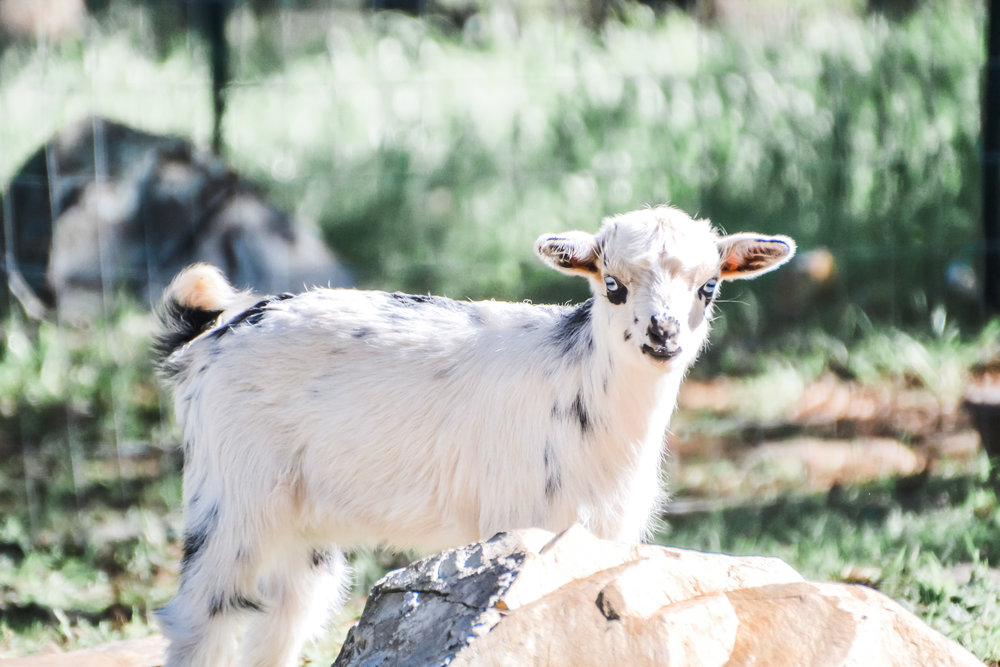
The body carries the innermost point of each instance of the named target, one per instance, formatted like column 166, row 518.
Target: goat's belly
column 379, row 499
column 422, row 529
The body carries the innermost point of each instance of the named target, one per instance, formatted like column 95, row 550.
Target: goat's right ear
column 747, row 255
column 574, row 253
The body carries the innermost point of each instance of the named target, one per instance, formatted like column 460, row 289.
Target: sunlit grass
column 431, row 159
column 89, row 542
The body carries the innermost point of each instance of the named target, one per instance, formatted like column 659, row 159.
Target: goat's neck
column 637, row 396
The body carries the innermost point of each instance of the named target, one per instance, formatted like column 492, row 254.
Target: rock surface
column 534, row 598
column 103, row 208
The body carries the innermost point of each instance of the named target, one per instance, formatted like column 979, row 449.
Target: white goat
column 339, row 418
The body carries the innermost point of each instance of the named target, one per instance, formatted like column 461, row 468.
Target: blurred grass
column 431, row 158
column 91, row 516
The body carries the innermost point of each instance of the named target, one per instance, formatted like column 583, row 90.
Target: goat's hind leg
column 303, row 586
column 218, row 588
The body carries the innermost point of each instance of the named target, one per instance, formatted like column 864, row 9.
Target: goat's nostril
column 654, row 335
column 663, row 328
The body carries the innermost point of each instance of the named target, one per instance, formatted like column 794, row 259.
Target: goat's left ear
column 748, row 255
column 574, row 253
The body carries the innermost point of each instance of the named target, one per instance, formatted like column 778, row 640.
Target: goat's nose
column 663, row 328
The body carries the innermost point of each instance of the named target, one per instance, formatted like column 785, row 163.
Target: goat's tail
column 192, row 304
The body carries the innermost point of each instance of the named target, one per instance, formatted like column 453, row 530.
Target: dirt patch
column 827, row 432
column 833, row 407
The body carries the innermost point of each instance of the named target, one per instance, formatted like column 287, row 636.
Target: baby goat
column 339, row 418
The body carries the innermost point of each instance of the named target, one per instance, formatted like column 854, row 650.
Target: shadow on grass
column 952, row 518
column 30, row 615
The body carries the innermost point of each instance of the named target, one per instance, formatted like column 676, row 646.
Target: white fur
column 341, row 418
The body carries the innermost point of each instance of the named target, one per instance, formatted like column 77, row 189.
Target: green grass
column 90, row 488
column 432, row 159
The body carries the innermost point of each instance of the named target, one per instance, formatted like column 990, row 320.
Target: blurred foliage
column 431, row 152
column 79, row 409
column 431, row 155
column 89, row 484
column 432, row 163
column 90, row 512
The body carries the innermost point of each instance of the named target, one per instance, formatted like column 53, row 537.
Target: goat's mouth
column 666, row 351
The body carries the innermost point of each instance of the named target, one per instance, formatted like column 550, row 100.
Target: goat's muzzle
column 662, row 334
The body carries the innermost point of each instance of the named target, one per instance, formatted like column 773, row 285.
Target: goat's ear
column 747, row 255
column 574, row 253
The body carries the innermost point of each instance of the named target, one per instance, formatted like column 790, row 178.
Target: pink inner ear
column 568, row 259
column 730, row 267
column 590, row 267
column 754, row 255
column 735, row 259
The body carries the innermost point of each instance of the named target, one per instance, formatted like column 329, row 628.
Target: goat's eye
column 707, row 291
column 617, row 292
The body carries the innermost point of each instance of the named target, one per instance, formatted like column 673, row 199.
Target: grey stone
column 104, row 209
column 424, row 613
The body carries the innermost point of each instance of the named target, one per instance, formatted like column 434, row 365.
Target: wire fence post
column 991, row 163
column 208, row 18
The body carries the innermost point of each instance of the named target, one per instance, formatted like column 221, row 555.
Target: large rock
column 103, row 208
column 572, row 599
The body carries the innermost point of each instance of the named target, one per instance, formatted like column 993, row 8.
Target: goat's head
column 655, row 274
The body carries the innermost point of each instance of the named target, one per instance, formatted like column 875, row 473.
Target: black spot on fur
column 252, row 315
column 321, row 558
column 236, row 602
column 628, row 335
column 577, row 411
column 180, row 325
column 193, row 542
column 408, row 301
column 362, row 333
column 414, row 299
column 581, row 413
column 553, row 474
column 572, row 332
column 195, row 538
column 246, row 604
